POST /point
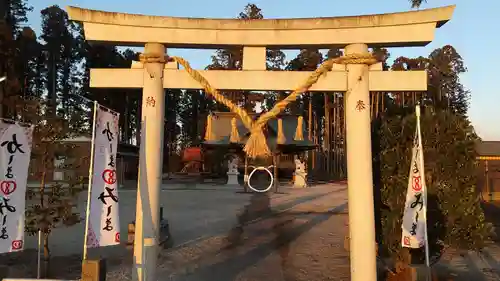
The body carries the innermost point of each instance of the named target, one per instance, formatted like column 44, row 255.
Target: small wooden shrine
column 286, row 138
column 489, row 169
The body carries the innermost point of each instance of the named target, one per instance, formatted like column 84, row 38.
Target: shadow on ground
column 283, row 227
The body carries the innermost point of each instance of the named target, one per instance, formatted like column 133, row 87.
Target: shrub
column 454, row 215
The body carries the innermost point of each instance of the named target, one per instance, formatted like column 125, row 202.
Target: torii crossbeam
column 355, row 34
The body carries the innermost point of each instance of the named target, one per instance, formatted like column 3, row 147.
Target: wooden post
column 276, row 179
column 245, row 176
column 487, row 178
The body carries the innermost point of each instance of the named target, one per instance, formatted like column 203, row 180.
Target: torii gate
column 355, row 34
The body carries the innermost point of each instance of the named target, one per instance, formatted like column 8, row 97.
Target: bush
column 454, row 216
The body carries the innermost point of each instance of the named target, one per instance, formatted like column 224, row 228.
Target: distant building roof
column 221, row 130
column 488, row 148
column 77, row 139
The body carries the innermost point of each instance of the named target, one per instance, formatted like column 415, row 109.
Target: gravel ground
column 190, row 260
column 295, row 236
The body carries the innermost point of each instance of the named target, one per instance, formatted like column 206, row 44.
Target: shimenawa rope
column 256, row 145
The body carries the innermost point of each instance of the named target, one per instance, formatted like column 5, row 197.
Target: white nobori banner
column 414, row 218
column 104, row 222
column 15, row 154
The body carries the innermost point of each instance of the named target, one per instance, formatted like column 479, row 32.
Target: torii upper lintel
column 414, row 28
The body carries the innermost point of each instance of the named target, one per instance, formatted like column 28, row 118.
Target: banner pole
column 421, row 155
column 38, row 260
column 91, row 172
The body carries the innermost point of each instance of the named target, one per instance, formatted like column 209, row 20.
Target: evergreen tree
column 232, row 59
column 125, row 101
column 62, row 48
column 455, row 217
column 444, row 91
column 29, row 49
column 13, row 14
column 57, row 46
column 445, row 67
column 416, row 3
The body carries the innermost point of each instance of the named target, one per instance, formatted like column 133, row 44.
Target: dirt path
column 289, row 224
column 295, row 236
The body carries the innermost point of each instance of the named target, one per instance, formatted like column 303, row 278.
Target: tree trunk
column 46, row 250
column 46, row 257
column 327, row 133
column 138, row 121
column 126, row 118
column 66, row 91
column 194, row 136
column 334, row 136
column 52, row 83
column 309, row 135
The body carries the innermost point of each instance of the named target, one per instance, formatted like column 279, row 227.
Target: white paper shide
column 15, row 154
column 414, row 218
column 104, row 224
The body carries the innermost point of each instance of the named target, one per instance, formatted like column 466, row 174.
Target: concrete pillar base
column 232, row 179
column 4, row 272
column 94, row 270
column 299, row 180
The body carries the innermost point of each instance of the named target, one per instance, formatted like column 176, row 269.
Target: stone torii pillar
column 147, row 220
column 359, row 167
column 355, row 34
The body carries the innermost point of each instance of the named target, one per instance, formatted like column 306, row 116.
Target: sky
column 472, row 31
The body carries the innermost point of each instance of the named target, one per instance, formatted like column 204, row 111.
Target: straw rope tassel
column 256, row 145
column 208, row 130
column 299, row 132
column 281, row 135
column 235, row 135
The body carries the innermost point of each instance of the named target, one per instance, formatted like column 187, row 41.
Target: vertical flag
column 103, row 216
column 15, row 154
column 415, row 213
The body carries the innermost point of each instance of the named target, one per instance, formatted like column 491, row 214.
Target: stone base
column 232, row 179
column 166, row 239
column 94, row 270
column 4, row 272
column 300, row 180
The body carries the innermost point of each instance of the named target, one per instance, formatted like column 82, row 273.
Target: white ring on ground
column 260, row 169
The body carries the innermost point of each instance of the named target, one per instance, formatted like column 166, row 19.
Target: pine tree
column 13, row 14
column 416, row 3
column 232, row 59
column 445, row 67
column 444, row 91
